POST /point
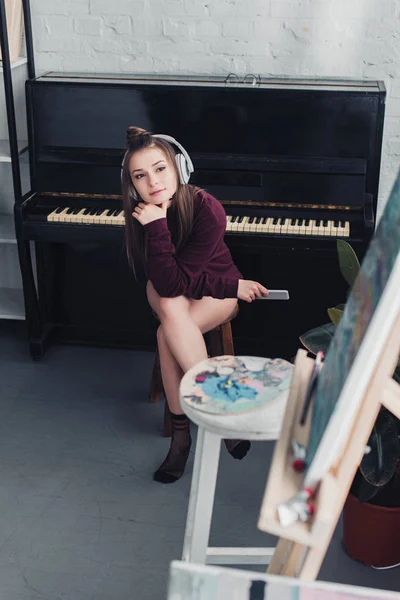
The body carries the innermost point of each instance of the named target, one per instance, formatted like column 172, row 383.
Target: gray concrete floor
column 80, row 517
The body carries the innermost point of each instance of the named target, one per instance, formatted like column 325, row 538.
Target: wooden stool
column 261, row 421
column 220, row 343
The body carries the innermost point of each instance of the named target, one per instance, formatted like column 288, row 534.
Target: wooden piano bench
column 220, row 342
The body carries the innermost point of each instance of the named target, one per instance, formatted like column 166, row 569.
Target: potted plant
column 371, row 515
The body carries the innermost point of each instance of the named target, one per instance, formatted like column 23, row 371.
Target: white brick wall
column 334, row 38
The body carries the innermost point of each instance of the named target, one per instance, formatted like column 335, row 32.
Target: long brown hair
column 182, row 203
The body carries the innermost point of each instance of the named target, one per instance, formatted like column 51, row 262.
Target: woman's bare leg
column 199, row 316
column 171, row 373
column 203, row 315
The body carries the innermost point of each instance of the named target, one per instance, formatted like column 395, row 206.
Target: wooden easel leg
column 279, row 558
column 310, row 568
column 287, row 558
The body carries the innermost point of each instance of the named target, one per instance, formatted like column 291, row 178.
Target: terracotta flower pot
column 371, row 534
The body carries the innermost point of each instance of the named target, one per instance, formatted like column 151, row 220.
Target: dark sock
column 174, row 465
column 237, row 448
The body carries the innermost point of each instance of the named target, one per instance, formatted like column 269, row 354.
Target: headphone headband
column 173, row 141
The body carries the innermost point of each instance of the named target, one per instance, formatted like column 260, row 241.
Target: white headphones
column 183, row 161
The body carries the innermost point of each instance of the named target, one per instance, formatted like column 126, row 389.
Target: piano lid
column 230, row 79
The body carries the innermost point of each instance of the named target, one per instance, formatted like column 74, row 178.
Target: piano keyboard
column 282, row 225
column 234, row 224
column 87, row 216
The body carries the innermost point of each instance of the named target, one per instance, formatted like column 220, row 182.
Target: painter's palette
column 235, row 384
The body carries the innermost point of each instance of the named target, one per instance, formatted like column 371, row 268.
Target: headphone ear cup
column 183, row 169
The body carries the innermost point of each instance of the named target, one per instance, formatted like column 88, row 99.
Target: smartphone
column 275, row 295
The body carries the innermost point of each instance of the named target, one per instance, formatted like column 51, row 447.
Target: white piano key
column 292, row 229
column 63, row 216
column 253, row 226
column 331, row 229
column 285, row 226
column 121, row 218
column 258, row 226
column 264, row 225
column 240, row 228
column 53, row 215
column 302, row 227
column 114, row 218
column 234, row 224
column 75, row 218
column 56, row 217
column 97, row 219
column 246, row 225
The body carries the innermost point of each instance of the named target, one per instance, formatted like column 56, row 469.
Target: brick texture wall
column 317, row 38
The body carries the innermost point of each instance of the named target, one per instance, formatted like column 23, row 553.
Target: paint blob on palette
column 235, row 384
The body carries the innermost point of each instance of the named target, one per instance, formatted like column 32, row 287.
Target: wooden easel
column 302, row 547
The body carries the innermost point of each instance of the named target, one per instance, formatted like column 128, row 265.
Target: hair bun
column 134, row 132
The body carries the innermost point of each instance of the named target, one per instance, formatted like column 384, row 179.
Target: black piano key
column 234, row 220
column 275, row 221
column 293, row 221
column 59, row 209
column 240, row 219
column 116, row 212
column 99, row 211
column 325, row 222
column 76, row 210
column 87, row 211
column 307, row 222
column 251, row 219
column 110, row 212
column 336, row 223
column 258, row 220
column 94, row 210
column 70, row 211
column 342, row 223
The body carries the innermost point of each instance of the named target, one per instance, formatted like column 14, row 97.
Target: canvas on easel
column 189, row 581
column 355, row 381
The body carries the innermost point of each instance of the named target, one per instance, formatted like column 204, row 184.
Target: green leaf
column 335, row 315
column 318, row 338
column 348, row 261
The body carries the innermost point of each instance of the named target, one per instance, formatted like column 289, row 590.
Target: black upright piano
column 294, row 162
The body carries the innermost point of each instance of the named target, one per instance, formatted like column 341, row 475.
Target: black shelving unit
column 11, row 298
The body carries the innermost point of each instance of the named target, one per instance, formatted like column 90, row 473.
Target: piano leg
column 39, row 335
column 39, row 345
column 30, row 295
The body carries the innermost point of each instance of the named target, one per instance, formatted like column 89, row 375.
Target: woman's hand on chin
column 146, row 213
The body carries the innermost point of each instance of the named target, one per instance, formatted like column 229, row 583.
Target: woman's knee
column 173, row 307
column 210, row 312
column 160, row 336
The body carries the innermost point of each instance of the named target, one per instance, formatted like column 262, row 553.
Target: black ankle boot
column 174, row 465
column 238, row 448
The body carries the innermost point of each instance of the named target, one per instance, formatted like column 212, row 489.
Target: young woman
column 177, row 231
